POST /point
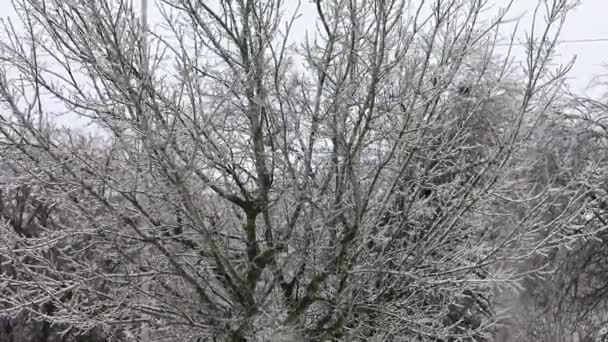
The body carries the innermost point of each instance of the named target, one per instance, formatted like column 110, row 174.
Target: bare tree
column 570, row 303
column 365, row 184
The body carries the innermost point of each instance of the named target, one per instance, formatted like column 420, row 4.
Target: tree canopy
column 395, row 176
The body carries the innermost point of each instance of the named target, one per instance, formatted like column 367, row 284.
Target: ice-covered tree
column 369, row 182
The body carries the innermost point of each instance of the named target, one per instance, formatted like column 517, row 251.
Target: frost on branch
column 373, row 181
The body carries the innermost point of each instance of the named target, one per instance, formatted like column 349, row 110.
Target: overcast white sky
column 588, row 21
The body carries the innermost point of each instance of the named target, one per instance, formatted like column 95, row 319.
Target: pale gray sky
column 588, row 21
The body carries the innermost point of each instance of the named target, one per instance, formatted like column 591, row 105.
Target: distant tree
column 246, row 188
column 570, row 303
